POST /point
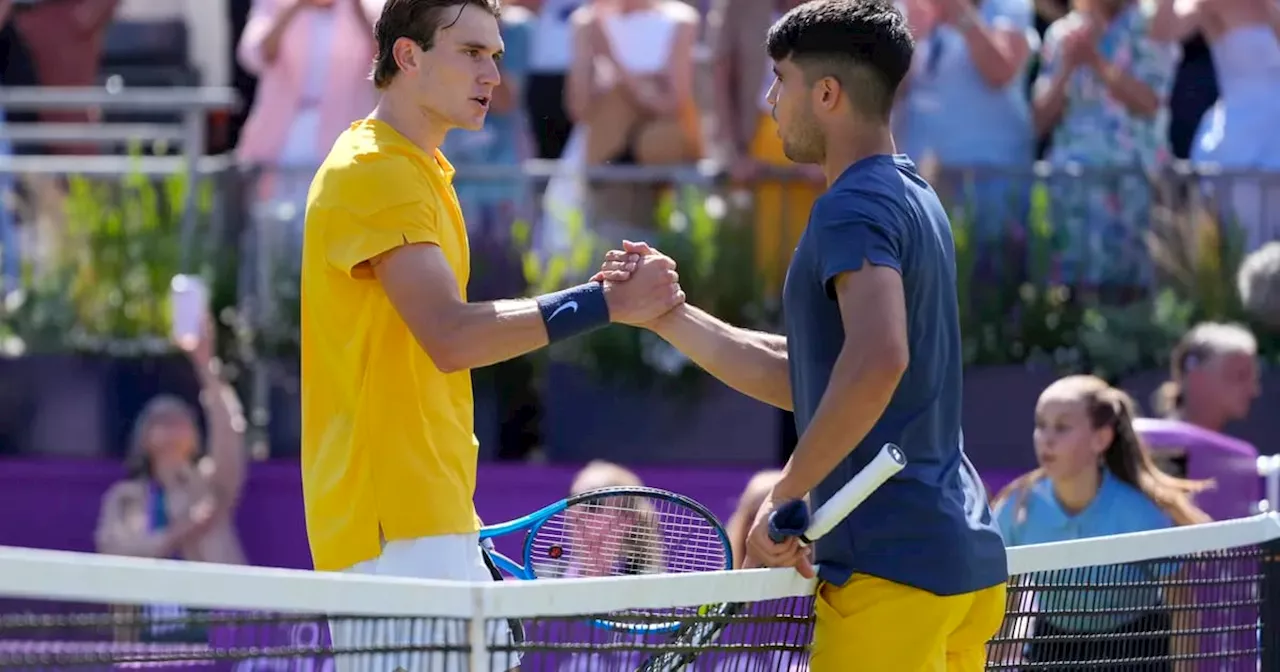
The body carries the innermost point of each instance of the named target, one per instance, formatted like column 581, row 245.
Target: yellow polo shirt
column 388, row 442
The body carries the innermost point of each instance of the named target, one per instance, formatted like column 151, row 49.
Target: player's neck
column 852, row 146
column 410, row 121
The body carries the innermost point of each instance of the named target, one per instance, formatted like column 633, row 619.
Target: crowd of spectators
column 1104, row 86
column 1107, row 92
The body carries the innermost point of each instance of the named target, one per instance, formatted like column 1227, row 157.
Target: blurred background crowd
column 1112, row 169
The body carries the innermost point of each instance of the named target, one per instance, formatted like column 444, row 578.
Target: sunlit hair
column 602, row 474
column 162, row 407
column 1258, row 281
column 864, row 45
column 1127, row 457
column 643, row 543
column 1198, row 347
column 417, row 20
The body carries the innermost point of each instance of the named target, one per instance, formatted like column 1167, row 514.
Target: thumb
column 640, row 248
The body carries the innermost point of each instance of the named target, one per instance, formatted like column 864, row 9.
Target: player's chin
column 472, row 122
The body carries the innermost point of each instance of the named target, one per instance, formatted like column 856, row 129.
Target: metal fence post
column 193, row 148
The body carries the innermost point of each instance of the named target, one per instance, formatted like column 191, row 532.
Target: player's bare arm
column 866, row 374
column 751, row 362
column 459, row 335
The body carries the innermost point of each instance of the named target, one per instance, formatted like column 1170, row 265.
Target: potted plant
column 88, row 334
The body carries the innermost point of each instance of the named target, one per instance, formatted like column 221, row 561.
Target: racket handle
column 789, row 520
column 888, row 462
column 793, row 520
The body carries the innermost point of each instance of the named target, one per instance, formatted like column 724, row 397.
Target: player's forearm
column 751, row 362
column 479, row 334
column 861, row 385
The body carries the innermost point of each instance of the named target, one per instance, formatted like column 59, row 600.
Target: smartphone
column 190, row 304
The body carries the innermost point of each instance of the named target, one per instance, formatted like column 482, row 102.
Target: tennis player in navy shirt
column 914, row 579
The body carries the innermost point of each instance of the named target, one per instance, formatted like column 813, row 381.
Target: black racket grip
column 789, row 520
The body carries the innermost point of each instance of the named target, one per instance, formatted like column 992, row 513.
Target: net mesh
column 1186, row 599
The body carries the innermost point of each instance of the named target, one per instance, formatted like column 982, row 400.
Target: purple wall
column 62, row 496
column 61, row 499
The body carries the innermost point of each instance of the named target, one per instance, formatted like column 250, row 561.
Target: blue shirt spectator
column 1095, row 478
column 952, row 112
column 1036, row 517
column 971, row 116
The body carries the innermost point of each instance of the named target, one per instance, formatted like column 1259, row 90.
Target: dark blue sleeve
column 853, row 232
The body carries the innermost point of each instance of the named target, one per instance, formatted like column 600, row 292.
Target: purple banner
column 64, row 497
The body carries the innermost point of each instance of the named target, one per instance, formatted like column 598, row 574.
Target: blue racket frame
column 533, row 522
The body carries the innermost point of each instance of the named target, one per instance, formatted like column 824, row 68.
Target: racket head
column 627, row 531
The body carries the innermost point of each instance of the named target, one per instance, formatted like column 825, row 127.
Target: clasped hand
column 640, row 283
column 763, row 551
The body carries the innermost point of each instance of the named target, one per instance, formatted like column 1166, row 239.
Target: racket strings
column 625, row 536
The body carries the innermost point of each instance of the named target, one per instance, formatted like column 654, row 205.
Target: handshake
column 640, row 283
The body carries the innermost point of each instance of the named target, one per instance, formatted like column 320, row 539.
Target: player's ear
column 405, row 51
column 830, row 92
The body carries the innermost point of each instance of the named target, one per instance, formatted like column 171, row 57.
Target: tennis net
column 1202, row 598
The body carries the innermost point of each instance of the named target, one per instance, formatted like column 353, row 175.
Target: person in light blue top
column 965, row 107
column 1096, row 478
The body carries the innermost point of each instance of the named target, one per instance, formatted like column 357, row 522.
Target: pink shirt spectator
column 348, row 93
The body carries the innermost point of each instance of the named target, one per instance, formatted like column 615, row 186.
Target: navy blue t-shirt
column 928, row 527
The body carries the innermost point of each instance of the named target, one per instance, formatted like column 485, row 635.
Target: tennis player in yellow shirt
column 388, row 336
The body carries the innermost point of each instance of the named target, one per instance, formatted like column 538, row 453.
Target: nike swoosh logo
column 568, row 305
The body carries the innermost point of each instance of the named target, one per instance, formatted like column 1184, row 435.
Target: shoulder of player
column 851, row 202
column 388, row 173
column 369, row 185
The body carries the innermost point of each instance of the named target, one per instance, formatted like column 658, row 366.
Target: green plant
column 107, row 288
column 1198, row 255
column 1122, row 340
column 1013, row 309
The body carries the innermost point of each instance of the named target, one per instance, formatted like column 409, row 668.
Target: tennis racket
column 616, row 532
column 790, row 520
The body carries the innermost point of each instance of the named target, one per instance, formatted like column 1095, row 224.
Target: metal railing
column 264, row 264
column 192, row 106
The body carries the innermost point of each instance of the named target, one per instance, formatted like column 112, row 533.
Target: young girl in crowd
column 1095, row 478
column 607, row 540
column 1213, row 377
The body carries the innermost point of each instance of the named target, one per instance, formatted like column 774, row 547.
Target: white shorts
column 454, row 557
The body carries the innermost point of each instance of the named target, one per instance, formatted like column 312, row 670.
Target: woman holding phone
column 179, row 501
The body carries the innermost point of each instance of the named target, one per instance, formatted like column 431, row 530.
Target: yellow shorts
column 874, row 625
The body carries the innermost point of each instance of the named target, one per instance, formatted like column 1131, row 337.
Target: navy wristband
column 574, row 311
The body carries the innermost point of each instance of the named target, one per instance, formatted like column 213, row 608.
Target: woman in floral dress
column 1102, row 93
